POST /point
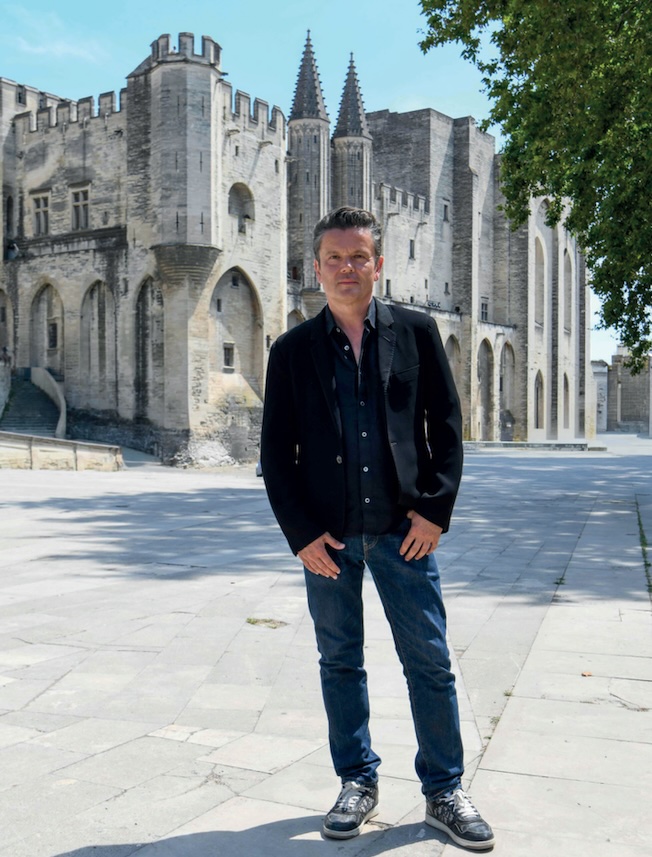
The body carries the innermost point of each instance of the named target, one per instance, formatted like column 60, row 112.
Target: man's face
column 347, row 267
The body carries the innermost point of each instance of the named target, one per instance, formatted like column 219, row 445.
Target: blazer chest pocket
column 402, row 387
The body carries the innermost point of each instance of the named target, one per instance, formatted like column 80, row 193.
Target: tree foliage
column 570, row 83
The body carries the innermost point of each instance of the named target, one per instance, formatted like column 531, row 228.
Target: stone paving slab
column 159, row 687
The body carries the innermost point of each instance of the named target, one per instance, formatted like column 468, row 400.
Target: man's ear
column 379, row 265
column 315, row 263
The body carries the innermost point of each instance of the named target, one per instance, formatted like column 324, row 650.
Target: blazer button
column 339, row 459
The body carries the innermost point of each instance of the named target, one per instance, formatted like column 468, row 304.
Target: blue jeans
column 411, row 597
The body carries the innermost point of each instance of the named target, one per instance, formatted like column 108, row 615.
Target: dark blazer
column 301, row 442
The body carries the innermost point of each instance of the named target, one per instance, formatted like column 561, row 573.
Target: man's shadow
column 293, row 837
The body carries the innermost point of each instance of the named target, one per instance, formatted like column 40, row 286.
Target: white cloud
column 47, row 35
column 87, row 50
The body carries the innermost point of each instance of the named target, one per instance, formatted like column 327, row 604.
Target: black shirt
column 371, row 482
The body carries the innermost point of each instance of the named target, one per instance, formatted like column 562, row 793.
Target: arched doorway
column 539, row 402
column 6, row 322
column 150, row 353
column 567, row 406
column 237, row 335
column 454, row 355
column 47, row 331
column 294, row 318
column 507, row 380
column 485, row 416
column 98, row 348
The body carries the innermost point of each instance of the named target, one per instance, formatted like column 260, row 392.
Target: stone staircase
column 29, row 411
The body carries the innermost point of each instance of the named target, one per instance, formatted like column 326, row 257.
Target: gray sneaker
column 455, row 814
column 356, row 803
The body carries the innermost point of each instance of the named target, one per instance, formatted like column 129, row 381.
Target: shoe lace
column 462, row 805
column 349, row 796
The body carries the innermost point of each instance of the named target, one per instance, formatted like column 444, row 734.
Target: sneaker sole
column 349, row 834
column 486, row 845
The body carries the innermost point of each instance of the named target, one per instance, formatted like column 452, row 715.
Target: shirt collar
column 370, row 318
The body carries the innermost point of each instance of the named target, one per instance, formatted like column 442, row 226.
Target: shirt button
column 365, row 470
column 346, row 347
column 364, row 434
column 339, row 459
column 362, row 404
column 367, row 500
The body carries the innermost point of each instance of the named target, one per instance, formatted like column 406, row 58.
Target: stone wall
column 628, row 397
column 158, row 209
column 162, row 240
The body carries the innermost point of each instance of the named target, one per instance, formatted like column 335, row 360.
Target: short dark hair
column 347, row 217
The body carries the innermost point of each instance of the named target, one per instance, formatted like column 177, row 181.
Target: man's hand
column 316, row 558
column 422, row 538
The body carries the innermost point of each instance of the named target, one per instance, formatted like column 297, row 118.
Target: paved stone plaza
column 159, row 688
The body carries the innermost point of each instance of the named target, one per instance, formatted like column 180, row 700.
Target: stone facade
column 146, row 252
column 625, row 398
column 510, row 305
column 157, row 245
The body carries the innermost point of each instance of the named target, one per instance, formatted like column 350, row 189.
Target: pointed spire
column 352, row 121
column 308, row 99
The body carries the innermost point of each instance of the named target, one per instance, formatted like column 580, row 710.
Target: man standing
column 362, row 458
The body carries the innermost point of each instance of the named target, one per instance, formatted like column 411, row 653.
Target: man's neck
column 350, row 317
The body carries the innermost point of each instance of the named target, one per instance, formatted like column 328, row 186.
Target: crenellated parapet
column 17, row 98
column 395, row 200
column 256, row 118
column 62, row 114
column 163, row 52
column 211, row 52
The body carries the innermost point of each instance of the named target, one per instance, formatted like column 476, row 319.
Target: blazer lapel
column 324, row 366
column 386, row 341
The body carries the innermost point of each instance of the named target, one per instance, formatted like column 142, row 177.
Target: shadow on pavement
column 286, row 838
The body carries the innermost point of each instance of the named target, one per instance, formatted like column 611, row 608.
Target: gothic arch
column 539, row 282
column 149, row 342
column 568, row 292
column 485, row 415
column 9, row 217
column 507, row 391
column 454, row 355
column 237, row 328
column 6, row 321
column 241, row 205
column 294, row 318
column 539, row 402
column 566, row 403
column 47, row 331
column 98, row 348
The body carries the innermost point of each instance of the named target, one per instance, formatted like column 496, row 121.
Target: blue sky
column 77, row 48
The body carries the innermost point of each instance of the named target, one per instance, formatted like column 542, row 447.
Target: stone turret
column 352, row 148
column 309, row 168
column 172, row 119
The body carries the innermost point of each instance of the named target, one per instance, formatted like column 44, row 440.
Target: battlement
column 259, row 118
column 211, row 52
column 399, row 201
column 63, row 114
column 20, row 98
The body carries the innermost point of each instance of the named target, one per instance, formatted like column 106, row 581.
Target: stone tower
column 150, row 277
column 172, row 117
column 352, row 148
column 309, row 168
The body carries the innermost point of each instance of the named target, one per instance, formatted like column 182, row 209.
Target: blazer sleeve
column 443, row 423
column 280, row 452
